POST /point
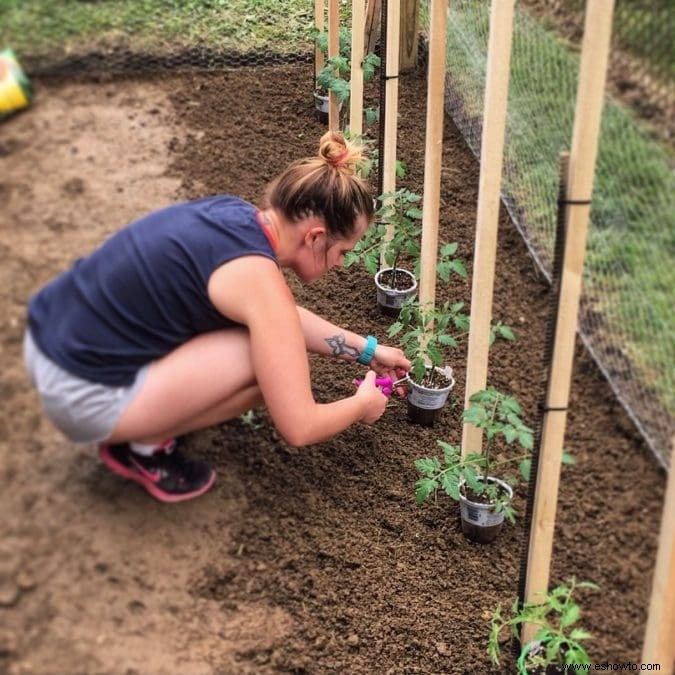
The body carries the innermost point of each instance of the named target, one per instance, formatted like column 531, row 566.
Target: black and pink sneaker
column 167, row 474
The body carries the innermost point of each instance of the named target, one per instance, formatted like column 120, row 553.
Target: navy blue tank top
column 144, row 291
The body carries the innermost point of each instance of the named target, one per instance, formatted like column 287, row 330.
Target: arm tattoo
column 337, row 344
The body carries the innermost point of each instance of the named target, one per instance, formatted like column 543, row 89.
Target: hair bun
column 338, row 152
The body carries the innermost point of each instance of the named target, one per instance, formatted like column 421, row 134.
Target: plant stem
column 488, row 443
column 393, row 272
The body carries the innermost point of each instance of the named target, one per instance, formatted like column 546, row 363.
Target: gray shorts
column 85, row 412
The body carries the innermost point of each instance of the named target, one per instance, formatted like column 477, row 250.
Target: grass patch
column 42, row 27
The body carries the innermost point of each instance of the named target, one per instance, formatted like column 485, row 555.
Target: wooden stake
column 356, row 80
column 319, row 23
column 391, row 105
column 410, row 10
column 371, row 32
column 659, row 644
column 433, row 151
column 333, row 50
column 594, row 57
column 485, row 252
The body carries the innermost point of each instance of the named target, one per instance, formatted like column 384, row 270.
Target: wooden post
column 319, row 23
column 333, row 50
column 485, row 251
column 433, row 151
column 659, row 644
column 590, row 95
column 391, row 105
column 356, row 80
column 410, row 10
column 371, row 32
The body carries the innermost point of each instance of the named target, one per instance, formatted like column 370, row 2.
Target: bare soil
column 300, row 560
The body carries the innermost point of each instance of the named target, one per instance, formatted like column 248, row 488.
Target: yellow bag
column 15, row 89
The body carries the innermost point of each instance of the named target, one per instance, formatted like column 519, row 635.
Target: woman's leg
column 207, row 380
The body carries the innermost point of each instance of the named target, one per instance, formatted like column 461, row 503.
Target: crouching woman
column 183, row 320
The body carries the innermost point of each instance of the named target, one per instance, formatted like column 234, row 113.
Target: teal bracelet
column 367, row 355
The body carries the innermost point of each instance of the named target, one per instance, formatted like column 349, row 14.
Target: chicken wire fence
column 627, row 319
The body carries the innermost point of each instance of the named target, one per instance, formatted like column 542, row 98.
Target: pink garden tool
column 386, row 384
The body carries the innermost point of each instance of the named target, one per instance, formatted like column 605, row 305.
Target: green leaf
column 576, row 654
column 580, row 634
column 469, row 475
column 435, row 354
column 570, row 615
column 324, row 78
column 371, row 265
column 556, row 604
column 423, row 488
column 543, row 634
column 451, row 453
column 339, row 63
column 525, row 468
column 449, row 249
column 509, row 513
column 450, row 485
column 429, row 466
column 443, row 271
column 513, row 419
column 370, row 63
column 372, row 115
column 506, row 333
column 395, row 328
column 568, row 458
column 350, row 259
column 459, row 268
column 447, row 340
column 510, row 404
column 461, row 322
column 553, row 651
column 526, row 439
column 340, row 88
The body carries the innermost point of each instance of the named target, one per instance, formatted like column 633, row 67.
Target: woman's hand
column 372, row 398
column 390, row 362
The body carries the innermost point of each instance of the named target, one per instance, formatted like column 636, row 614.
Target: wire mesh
column 626, row 319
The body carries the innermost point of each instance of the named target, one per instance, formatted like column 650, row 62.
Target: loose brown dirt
column 300, row 560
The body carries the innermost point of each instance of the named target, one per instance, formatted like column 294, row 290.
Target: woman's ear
column 315, row 233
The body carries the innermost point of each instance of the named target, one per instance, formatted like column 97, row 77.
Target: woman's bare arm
column 252, row 291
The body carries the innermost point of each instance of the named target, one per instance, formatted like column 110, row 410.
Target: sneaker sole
column 157, row 493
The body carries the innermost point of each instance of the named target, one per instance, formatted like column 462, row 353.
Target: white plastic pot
column 390, row 300
column 429, row 398
column 321, row 103
column 480, row 523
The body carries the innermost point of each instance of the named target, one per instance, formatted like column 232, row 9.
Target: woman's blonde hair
column 326, row 186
